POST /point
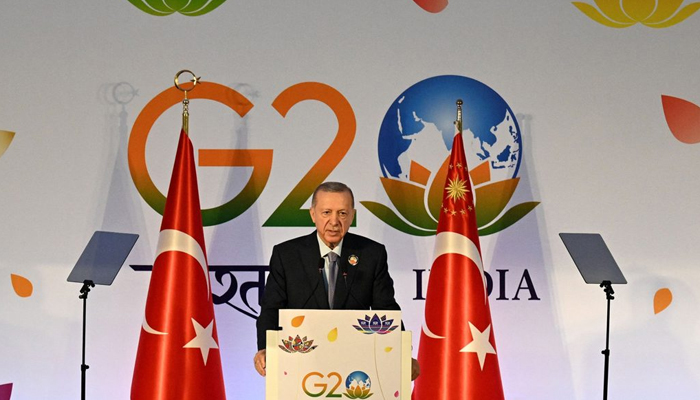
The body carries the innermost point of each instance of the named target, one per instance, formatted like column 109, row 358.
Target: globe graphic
column 419, row 128
column 358, row 378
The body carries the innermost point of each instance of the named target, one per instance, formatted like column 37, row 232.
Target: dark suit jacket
column 295, row 281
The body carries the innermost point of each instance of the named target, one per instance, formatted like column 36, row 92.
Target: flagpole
column 186, row 102
column 458, row 122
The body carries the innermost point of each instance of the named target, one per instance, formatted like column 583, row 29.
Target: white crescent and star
column 174, row 240
column 480, row 344
column 203, row 340
column 455, row 243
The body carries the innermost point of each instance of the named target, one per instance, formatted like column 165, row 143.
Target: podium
column 353, row 354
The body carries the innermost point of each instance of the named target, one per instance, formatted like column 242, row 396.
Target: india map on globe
column 419, row 127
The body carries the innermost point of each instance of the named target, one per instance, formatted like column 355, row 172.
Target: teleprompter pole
column 607, row 288
column 87, row 284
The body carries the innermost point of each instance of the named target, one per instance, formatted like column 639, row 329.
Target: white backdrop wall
column 596, row 152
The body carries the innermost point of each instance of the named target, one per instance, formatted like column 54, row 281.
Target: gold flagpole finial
column 458, row 122
column 185, row 103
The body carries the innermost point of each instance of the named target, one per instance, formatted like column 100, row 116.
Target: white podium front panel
column 353, row 354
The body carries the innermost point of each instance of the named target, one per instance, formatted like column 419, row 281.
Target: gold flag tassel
column 186, row 102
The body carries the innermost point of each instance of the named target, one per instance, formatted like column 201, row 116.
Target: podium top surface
column 592, row 258
column 103, row 257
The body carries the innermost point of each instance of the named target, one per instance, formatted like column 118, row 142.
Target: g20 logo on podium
column 357, row 385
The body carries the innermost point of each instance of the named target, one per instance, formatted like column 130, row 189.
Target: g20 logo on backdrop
column 357, row 385
column 415, row 141
column 290, row 212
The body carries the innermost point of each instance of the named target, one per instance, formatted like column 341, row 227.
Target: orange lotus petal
column 662, row 299
column 436, row 189
column 333, row 335
column 639, row 10
column 409, row 201
column 683, row 118
column 419, row 174
column 297, row 321
column 491, row 199
column 480, row 174
column 22, row 286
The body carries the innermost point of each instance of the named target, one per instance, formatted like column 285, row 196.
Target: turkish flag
column 457, row 351
column 178, row 355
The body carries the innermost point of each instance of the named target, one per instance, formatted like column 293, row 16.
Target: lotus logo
column 652, row 13
column 414, row 148
column 378, row 325
column 358, row 385
column 190, row 8
column 297, row 345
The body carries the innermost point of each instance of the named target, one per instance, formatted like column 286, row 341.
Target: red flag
column 178, row 355
column 457, row 352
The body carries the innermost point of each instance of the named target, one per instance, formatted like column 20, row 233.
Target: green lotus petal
column 436, row 190
column 492, row 199
column 201, row 11
column 509, row 218
column 390, row 218
column 686, row 12
column 179, row 5
column 158, row 8
column 596, row 16
column 409, row 201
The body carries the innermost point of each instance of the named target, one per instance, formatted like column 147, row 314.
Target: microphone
column 344, row 271
column 321, row 266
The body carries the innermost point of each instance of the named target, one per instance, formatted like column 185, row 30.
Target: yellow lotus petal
column 639, row 10
column 596, row 16
column 297, row 321
column 613, row 10
column 22, row 286
column 678, row 18
column 5, row 140
column 662, row 299
column 409, row 200
column 333, row 335
column 388, row 349
column 664, row 11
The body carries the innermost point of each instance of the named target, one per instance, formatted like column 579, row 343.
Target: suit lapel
column 343, row 286
column 310, row 257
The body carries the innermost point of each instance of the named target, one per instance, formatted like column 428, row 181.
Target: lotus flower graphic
column 375, row 324
column 625, row 13
column 358, row 385
column 413, row 154
column 190, row 8
column 297, row 345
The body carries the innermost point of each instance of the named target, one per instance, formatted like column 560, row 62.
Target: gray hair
column 333, row 187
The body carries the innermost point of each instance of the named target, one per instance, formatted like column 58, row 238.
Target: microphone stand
column 607, row 288
column 87, row 284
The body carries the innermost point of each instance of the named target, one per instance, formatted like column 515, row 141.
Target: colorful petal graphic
column 333, row 335
column 662, row 299
column 683, row 119
column 625, row 13
column 190, row 8
column 5, row 391
column 5, row 140
column 432, row 6
column 22, row 286
column 297, row 321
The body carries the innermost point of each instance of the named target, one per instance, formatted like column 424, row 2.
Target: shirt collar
column 324, row 250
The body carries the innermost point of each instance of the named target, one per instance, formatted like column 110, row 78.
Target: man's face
column 332, row 216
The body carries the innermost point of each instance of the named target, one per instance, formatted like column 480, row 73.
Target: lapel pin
column 353, row 260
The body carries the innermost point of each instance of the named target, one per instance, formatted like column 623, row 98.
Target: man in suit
column 302, row 274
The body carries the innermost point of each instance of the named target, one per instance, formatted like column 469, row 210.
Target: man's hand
column 259, row 361
column 415, row 369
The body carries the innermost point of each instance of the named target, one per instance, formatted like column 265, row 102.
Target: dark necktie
column 332, row 276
